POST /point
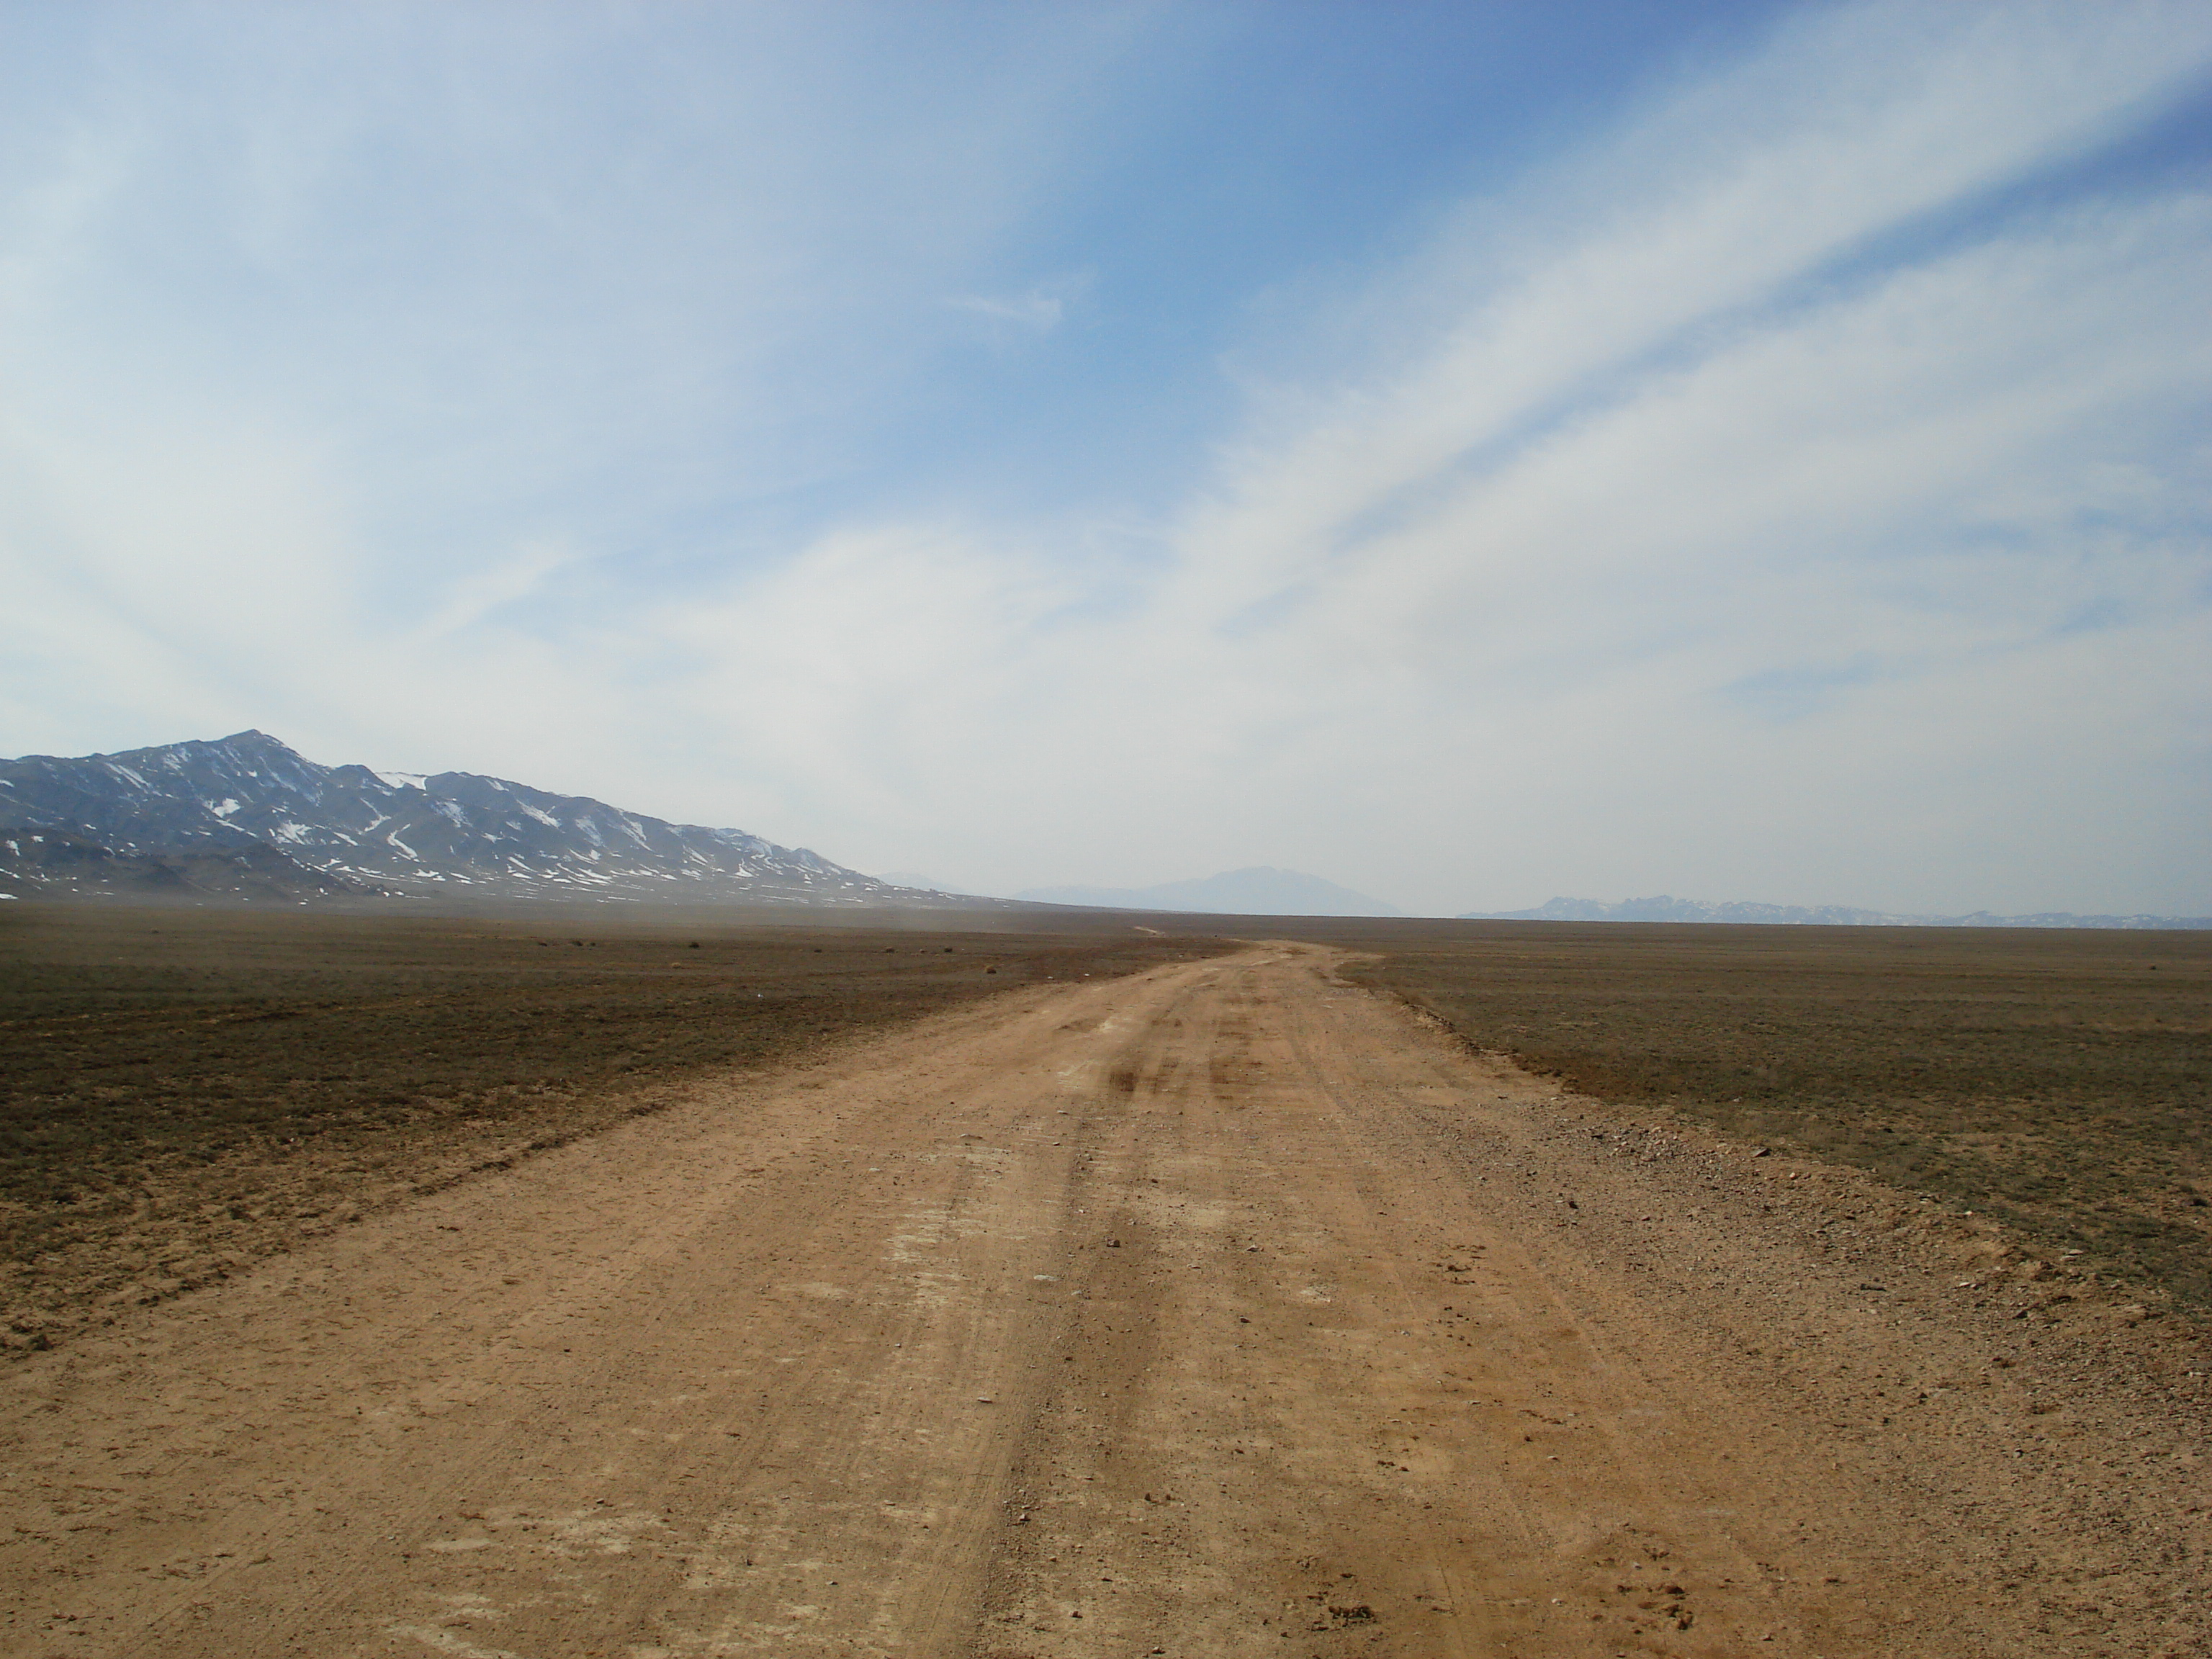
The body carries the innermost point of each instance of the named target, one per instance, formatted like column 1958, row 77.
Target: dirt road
column 1224, row 1310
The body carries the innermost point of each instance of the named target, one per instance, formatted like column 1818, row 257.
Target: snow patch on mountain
column 400, row 833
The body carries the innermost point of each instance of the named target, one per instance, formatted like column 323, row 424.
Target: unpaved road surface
column 1223, row 1310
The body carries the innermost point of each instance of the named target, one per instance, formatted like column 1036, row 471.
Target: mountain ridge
column 163, row 813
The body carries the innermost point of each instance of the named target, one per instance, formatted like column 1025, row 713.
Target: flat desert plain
column 1216, row 1302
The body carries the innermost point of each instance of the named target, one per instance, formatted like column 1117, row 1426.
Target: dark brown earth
column 1226, row 1307
column 183, row 1091
column 2058, row 1080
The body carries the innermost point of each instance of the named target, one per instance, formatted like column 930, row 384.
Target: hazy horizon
column 1471, row 454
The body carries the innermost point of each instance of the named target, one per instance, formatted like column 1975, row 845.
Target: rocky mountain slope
column 248, row 817
column 1665, row 909
column 57, row 863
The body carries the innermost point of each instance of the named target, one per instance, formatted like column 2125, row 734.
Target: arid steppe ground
column 1221, row 1303
column 184, row 1090
column 2058, row 1080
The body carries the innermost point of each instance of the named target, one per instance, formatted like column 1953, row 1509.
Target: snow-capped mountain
column 358, row 829
column 59, row 863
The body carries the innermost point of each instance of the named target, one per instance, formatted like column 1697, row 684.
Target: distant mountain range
column 247, row 818
column 1259, row 892
column 1664, row 908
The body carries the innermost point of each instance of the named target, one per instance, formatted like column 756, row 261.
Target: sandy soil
column 1222, row 1310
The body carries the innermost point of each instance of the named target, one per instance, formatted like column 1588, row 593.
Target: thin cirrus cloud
column 1036, row 309
column 1790, row 488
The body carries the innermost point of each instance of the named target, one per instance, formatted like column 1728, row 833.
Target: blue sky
column 1469, row 451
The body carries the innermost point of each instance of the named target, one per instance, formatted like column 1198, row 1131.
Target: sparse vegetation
column 2059, row 1081
column 182, row 1089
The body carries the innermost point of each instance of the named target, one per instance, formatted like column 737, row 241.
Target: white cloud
column 1859, row 122
column 476, row 595
column 1036, row 309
